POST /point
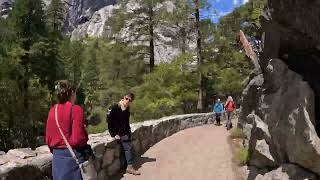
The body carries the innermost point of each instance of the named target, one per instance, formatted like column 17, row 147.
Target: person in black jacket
column 119, row 128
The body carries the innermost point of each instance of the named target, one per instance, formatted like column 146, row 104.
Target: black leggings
column 218, row 115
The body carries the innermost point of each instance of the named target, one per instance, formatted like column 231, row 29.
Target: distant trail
column 200, row 153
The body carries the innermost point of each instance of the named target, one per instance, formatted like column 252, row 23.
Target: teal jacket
column 218, row 108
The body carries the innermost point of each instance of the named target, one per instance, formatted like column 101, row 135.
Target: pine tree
column 55, row 18
column 27, row 21
column 72, row 54
column 29, row 26
column 200, row 104
column 90, row 76
column 141, row 22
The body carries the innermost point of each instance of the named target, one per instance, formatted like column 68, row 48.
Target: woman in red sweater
column 71, row 120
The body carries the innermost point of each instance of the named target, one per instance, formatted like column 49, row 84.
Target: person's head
column 65, row 92
column 230, row 98
column 129, row 97
column 218, row 100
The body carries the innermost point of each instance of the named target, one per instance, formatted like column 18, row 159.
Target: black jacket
column 118, row 121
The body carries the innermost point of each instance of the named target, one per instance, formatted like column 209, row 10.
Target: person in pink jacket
column 229, row 108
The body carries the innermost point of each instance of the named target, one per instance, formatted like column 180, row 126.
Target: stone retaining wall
column 35, row 164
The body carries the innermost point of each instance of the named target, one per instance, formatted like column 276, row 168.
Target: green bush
column 242, row 156
column 237, row 133
column 102, row 126
column 166, row 91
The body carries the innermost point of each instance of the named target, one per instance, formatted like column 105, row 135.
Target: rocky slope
column 5, row 7
column 280, row 112
column 85, row 18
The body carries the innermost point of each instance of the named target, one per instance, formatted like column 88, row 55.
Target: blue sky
column 222, row 7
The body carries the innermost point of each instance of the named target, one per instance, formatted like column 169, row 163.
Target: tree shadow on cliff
column 138, row 164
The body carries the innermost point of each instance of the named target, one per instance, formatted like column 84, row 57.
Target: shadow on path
column 138, row 164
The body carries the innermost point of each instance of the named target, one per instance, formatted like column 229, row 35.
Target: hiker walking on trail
column 229, row 107
column 119, row 128
column 65, row 132
column 218, row 110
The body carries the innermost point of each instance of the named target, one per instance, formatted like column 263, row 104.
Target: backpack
column 230, row 106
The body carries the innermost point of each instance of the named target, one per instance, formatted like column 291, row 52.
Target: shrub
column 237, row 133
column 102, row 126
column 242, row 156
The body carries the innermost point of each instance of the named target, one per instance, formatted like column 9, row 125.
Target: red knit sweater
column 74, row 131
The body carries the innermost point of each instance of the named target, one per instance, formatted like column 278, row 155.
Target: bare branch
column 248, row 50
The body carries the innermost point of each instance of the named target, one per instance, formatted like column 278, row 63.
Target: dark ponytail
column 64, row 91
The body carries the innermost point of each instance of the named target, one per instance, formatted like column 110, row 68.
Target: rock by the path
column 261, row 156
column 284, row 118
column 287, row 172
column 22, row 153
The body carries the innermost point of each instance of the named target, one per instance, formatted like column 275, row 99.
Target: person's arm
column 128, row 128
column 79, row 136
column 226, row 105
column 111, row 125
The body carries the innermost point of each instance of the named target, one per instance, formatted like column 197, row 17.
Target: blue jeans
column 127, row 146
column 64, row 167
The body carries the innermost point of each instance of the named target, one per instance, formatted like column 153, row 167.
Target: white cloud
column 245, row 1
column 235, row 2
column 223, row 13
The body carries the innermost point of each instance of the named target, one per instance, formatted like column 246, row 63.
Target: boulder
column 114, row 167
column 261, row 156
column 108, row 157
column 42, row 161
column 42, row 150
column 98, row 149
column 287, row 172
column 22, row 153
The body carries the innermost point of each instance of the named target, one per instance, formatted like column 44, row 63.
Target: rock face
column 280, row 110
column 87, row 18
column 21, row 163
column 287, row 172
column 5, row 7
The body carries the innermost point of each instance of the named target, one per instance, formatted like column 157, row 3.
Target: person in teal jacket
column 218, row 109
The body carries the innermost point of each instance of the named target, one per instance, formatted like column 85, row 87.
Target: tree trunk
column 151, row 41
column 199, row 58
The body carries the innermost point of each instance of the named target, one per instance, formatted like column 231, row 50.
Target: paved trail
column 200, row 153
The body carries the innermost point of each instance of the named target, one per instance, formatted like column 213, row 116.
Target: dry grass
column 237, row 133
